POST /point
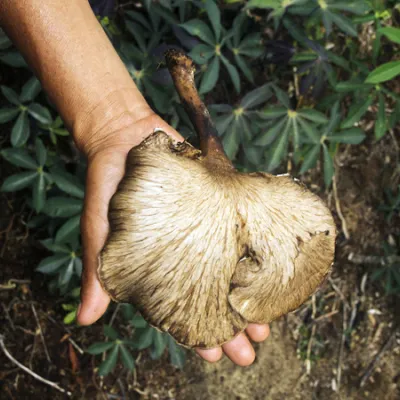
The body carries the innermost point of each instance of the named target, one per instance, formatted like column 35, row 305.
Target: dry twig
column 339, row 209
column 341, row 350
column 41, row 333
column 373, row 364
column 30, row 372
column 374, row 260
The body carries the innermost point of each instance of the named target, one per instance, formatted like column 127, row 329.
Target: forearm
column 76, row 63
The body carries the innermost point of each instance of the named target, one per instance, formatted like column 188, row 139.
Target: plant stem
column 182, row 70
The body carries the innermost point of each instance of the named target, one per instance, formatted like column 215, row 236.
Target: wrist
column 98, row 123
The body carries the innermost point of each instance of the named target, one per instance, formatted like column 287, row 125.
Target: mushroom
column 202, row 249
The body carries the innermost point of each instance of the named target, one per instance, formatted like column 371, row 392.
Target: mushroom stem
column 182, row 70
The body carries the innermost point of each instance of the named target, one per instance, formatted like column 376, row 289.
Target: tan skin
column 78, row 67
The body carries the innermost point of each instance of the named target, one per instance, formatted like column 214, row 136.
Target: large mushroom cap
column 202, row 249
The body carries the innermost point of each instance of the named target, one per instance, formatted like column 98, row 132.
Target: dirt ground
column 341, row 344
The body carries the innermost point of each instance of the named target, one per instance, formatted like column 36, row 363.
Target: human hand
column 106, row 147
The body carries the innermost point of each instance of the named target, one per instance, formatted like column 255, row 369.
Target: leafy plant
column 389, row 272
column 391, row 206
column 19, row 111
column 210, row 54
column 235, row 125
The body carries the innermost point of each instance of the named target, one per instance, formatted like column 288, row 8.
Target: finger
column 257, row 333
column 104, row 174
column 210, row 355
column 239, row 350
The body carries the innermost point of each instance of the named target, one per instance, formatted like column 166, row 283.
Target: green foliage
column 391, row 207
column 143, row 337
column 388, row 273
column 297, row 85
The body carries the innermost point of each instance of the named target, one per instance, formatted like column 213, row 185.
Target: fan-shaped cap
column 202, row 249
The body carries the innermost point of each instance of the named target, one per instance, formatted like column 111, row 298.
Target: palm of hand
column 106, row 165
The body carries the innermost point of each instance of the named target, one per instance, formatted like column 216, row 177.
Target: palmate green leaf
column 110, row 362
column 266, row 138
column 202, row 53
column 256, row 97
column 138, row 321
column 338, row 60
column 296, row 133
column 328, row 166
column 241, row 63
column 327, row 21
column 244, row 128
column 281, row 96
column 10, row 95
column 68, row 307
column 20, row 131
column 359, row 7
column 263, row 4
column 70, row 317
column 233, row 73
column 159, row 345
column 14, row 59
column 252, row 52
column 334, row 119
column 68, row 230
column 279, row 148
column 126, row 358
column 78, row 266
column 63, row 207
column 39, row 192
column 40, row 113
column 294, row 31
column 128, row 311
column 344, row 23
column 52, row 264
column 210, row 77
column 30, row 90
column 214, row 15
column 137, row 32
column 380, row 124
column 110, row 332
column 18, row 181
column 253, row 154
column 222, row 123
column 8, row 114
column 19, row 157
column 145, row 338
column 309, row 130
column 5, row 42
column 198, row 28
column 231, row 141
column 273, row 112
column 349, row 136
column 311, row 158
column 68, row 183
column 356, row 112
column 313, row 115
column 344, row 87
column 66, row 273
column 41, row 152
column 55, row 247
column 136, row 16
column 384, row 72
column 176, row 353
column 391, row 33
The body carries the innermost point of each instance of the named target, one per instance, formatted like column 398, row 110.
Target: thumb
column 104, row 173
